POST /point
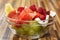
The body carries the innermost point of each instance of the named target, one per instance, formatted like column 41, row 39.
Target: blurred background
column 43, row 3
column 51, row 4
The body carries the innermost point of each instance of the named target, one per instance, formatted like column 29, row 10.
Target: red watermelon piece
column 28, row 10
column 12, row 13
column 26, row 14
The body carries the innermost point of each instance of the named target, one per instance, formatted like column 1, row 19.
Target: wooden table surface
column 54, row 5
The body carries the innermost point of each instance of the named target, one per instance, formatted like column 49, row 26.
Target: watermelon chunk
column 26, row 15
column 28, row 10
column 12, row 13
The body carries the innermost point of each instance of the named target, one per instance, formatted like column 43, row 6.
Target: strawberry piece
column 42, row 17
column 33, row 7
column 20, row 9
column 48, row 12
column 12, row 13
column 44, row 12
column 40, row 10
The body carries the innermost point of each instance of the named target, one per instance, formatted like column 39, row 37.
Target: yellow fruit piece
column 8, row 8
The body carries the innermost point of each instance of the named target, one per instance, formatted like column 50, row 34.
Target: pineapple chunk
column 8, row 8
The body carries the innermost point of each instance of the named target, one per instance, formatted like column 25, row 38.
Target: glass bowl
column 29, row 29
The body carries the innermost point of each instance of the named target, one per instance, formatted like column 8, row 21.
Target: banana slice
column 8, row 8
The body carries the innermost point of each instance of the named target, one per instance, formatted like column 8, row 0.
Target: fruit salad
column 28, row 20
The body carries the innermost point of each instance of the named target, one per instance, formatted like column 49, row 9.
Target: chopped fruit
column 17, row 26
column 35, row 26
column 44, row 12
column 44, row 22
column 33, row 7
column 29, row 20
column 20, row 9
column 48, row 12
column 13, row 20
column 42, row 17
column 13, row 16
column 12, row 13
column 40, row 10
column 24, row 16
column 32, row 14
column 8, row 8
column 28, row 10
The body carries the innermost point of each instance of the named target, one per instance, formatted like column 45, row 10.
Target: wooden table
column 54, row 31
